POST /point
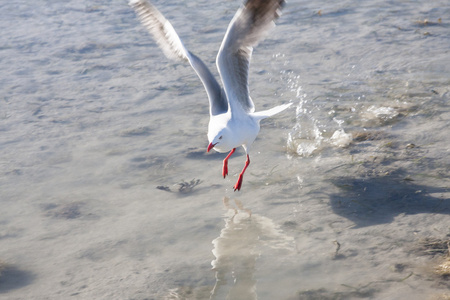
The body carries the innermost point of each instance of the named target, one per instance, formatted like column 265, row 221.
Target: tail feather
column 270, row 112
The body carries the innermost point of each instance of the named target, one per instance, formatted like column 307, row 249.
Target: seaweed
column 184, row 187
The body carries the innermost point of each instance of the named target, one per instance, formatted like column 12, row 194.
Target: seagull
column 233, row 120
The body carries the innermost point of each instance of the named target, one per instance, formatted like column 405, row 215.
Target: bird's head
column 218, row 140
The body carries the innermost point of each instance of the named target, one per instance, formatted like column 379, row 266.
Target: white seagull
column 233, row 120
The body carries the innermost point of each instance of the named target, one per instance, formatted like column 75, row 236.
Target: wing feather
column 248, row 27
column 172, row 46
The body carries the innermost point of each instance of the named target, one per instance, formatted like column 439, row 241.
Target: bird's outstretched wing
column 248, row 27
column 172, row 46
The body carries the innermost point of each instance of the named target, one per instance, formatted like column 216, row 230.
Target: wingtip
column 134, row 2
column 265, row 6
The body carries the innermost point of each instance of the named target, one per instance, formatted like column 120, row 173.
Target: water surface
column 107, row 192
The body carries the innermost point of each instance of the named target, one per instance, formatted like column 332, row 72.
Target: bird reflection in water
column 239, row 245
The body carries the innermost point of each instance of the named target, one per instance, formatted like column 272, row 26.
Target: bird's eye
column 220, row 137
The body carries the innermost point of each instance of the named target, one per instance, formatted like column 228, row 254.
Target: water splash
column 341, row 139
column 305, row 137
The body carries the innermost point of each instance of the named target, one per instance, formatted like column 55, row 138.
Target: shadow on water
column 12, row 278
column 237, row 249
column 378, row 200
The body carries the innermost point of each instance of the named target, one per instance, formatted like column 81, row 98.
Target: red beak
column 210, row 146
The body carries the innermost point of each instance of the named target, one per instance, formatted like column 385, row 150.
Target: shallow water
column 103, row 143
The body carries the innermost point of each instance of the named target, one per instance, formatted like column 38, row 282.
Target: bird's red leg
column 225, row 163
column 238, row 184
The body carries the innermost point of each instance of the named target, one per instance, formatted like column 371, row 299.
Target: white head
column 219, row 140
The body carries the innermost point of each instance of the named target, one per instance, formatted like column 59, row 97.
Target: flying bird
column 233, row 120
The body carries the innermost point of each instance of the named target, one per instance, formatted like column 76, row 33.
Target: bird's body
column 233, row 120
column 232, row 127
